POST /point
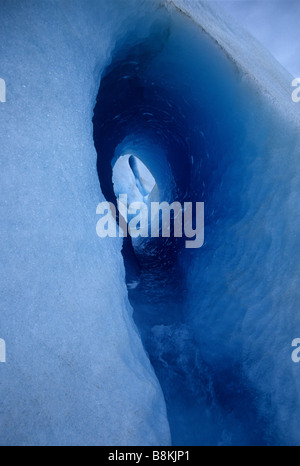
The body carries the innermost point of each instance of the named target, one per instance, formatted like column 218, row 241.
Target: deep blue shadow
column 169, row 103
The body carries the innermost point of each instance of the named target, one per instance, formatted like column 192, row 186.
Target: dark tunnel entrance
column 166, row 119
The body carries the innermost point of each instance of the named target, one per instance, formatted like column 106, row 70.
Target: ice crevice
column 145, row 342
column 174, row 100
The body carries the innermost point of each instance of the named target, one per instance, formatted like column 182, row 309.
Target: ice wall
column 244, row 286
column 76, row 372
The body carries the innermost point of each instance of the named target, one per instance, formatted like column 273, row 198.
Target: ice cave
column 113, row 341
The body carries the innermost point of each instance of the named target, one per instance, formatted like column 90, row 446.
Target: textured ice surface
column 244, row 285
column 76, row 370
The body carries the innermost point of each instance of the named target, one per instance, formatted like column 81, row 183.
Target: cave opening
column 161, row 131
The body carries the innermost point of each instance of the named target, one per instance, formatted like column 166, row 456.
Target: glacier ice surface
column 217, row 323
